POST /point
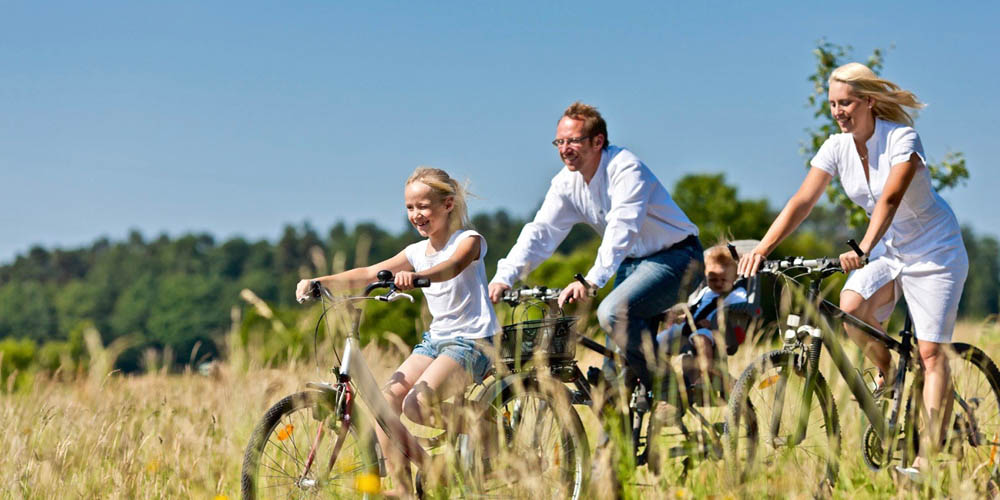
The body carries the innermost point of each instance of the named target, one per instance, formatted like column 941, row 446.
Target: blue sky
column 236, row 118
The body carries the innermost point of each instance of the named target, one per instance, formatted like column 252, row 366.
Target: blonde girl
column 453, row 351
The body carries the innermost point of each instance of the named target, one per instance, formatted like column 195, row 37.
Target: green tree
column 717, row 210
column 981, row 296
column 25, row 311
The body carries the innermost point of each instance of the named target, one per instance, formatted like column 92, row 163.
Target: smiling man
column 647, row 242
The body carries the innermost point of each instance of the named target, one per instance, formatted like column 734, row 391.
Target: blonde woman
column 453, row 352
column 913, row 242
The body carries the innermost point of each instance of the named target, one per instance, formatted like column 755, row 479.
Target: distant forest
column 176, row 292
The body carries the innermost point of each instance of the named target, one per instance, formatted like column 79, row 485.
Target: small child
column 680, row 338
column 456, row 349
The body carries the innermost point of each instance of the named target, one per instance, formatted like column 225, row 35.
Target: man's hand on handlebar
column 575, row 291
column 497, row 290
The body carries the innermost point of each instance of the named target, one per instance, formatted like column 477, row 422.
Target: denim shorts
column 470, row 353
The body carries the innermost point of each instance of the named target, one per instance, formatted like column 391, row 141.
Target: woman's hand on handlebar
column 405, row 280
column 850, row 261
column 497, row 290
column 750, row 262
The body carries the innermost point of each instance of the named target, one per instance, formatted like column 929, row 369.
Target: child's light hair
column 444, row 186
column 719, row 254
column 889, row 99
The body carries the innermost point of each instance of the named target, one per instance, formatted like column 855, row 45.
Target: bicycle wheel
column 699, row 433
column 291, row 453
column 772, row 388
column 539, row 446
column 973, row 440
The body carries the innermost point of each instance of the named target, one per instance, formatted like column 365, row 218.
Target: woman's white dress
column 922, row 252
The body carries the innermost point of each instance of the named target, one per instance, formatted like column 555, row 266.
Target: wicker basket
column 552, row 338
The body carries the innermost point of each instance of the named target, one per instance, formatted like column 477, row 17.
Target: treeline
column 177, row 294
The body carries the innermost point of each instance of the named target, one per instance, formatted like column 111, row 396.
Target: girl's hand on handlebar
column 303, row 290
column 750, row 263
column 850, row 261
column 573, row 292
column 405, row 280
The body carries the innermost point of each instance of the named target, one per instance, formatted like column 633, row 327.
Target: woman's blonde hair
column 889, row 99
column 444, row 186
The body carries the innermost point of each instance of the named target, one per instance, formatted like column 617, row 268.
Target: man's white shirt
column 624, row 202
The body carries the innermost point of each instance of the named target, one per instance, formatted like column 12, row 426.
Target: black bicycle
column 797, row 414
column 692, row 431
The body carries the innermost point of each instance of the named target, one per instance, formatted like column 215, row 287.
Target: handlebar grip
column 421, row 282
column 854, row 246
column 314, row 289
column 591, row 290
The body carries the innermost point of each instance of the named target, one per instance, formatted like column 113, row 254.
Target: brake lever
column 393, row 296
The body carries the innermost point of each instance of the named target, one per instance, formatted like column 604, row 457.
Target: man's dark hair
column 593, row 122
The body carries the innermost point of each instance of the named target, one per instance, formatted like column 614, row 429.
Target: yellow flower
column 368, row 483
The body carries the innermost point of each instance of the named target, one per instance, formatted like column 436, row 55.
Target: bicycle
column 321, row 442
column 797, row 412
column 700, row 437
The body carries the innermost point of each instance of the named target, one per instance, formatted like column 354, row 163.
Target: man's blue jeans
column 645, row 287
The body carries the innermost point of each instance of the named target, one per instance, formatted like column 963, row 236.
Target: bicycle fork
column 342, row 411
column 812, row 369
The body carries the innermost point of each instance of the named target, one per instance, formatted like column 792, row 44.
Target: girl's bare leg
column 395, row 392
column 442, row 379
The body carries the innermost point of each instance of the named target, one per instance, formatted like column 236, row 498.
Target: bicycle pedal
column 595, row 376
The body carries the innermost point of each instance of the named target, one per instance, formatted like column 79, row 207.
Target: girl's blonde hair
column 444, row 186
column 889, row 99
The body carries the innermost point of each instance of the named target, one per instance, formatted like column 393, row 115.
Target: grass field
column 182, row 436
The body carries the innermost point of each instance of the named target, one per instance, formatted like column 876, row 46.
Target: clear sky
column 236, row 118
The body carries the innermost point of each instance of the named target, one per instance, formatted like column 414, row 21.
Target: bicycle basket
column 553, row 339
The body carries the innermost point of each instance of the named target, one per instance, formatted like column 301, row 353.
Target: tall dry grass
column 103, row 435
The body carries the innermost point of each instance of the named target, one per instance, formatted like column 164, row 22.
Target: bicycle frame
column 824, row 337
column 355, row 376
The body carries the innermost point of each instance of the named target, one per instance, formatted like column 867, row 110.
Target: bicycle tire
column 540, row 443
column 973, row 440
column 275, row 457
column 689, row 440
column 817, row 454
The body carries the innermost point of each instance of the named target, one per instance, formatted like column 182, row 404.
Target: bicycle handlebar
column 813, row 265
column 545, row 294
column 820, row 264
column 385, row 280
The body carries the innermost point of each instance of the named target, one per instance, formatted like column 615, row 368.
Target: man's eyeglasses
column 571, row 141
